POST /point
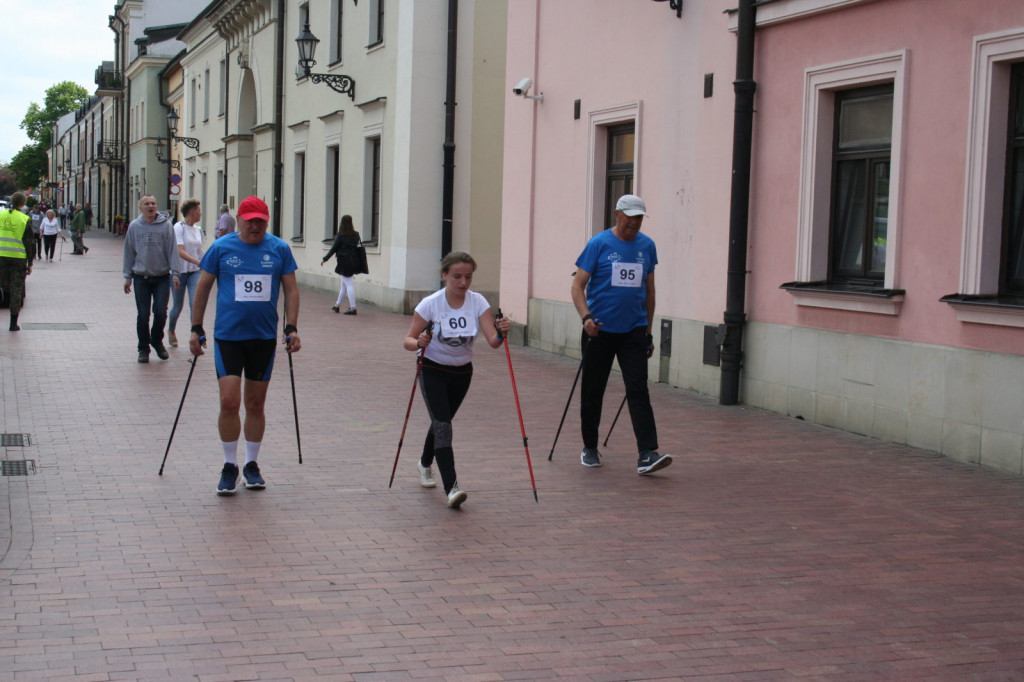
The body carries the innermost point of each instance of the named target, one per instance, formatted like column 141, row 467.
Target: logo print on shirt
column 233, row 262
column 267, row 263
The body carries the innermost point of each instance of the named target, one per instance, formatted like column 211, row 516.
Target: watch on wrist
column 290, row 329
column 586, row 317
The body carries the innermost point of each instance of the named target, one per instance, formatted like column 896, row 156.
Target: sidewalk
column 770, row 550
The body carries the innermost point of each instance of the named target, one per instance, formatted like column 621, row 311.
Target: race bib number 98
column 627, row 274
column 252, row 287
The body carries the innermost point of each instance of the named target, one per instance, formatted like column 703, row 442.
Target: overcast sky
column 44, row 42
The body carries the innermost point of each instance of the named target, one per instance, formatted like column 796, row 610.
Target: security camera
column 523, row 87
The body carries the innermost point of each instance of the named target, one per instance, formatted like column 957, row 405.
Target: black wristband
column 198, row 329
column 289, row 329
column 586, row 317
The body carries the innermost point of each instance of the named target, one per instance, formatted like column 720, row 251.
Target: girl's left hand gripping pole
column 180, row 405
column 519, row 411
column 408, row 410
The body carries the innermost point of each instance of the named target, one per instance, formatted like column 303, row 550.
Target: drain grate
column 15, row 440
column 21, row 467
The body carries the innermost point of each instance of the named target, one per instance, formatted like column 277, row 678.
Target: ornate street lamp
column 172, row 129
column 172, row 163
column 307, row 43
column 677, row 5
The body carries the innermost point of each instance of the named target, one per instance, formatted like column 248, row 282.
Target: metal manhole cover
column 22, row 467
column 15, row 440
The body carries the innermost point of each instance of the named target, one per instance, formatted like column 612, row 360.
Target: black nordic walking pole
column 566, row 410
column 519, row 411
column 180, row 405
column 612, row 428
column 295, row 404
column 408, row 410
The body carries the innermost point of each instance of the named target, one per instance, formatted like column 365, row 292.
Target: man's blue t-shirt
column 617, row 289
column 248, row 283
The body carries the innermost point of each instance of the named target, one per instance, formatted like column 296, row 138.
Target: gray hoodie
column 150, row 249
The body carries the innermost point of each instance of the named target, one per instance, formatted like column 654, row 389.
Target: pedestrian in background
column 250, row 267
column 78, row 231
column 50, row 228
column 17, row 250
column 613, row 291
column 188, row 236
column 149, row 263
column 36, row 216
column 62, row 212
column 345, row 246
column 444, row 326
column 225, row 223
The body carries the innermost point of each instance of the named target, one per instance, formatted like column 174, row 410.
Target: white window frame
column 598, row 122
column 815, row 193
column 985, row 176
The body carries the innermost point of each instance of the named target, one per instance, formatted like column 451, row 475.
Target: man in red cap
column 250, row 268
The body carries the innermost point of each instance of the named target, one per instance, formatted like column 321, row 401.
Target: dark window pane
column 1015, row 226
column 849, row 216
column 880, row 231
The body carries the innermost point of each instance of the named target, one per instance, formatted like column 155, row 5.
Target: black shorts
column 254, row 356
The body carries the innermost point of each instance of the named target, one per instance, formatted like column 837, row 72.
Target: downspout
column 275, row 211
column 731, row 332
column 119, row 122
column 448, row 186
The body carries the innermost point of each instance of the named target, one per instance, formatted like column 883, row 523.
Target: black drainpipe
column 731, row 333
column 275, row 211
column 448, row 188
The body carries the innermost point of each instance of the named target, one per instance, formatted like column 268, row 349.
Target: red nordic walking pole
column 408, row 410
column 519, row 411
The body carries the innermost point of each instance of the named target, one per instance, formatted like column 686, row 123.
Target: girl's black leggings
column 443, row 387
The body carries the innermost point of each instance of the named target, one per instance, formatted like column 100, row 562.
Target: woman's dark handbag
column 364, row 268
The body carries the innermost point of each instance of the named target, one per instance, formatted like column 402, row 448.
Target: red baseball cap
column 253, row 208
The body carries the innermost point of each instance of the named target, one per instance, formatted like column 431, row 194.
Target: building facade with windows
column 884, row 259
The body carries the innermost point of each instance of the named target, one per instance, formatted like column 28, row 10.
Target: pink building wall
column 607, row 53
column 938, row 37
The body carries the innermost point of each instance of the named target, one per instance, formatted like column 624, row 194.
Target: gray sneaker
column 456, row 497
column 651, row 461
column 426, row 475
column 590, row 457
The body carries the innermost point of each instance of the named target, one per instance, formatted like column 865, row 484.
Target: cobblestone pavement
column 770, row 550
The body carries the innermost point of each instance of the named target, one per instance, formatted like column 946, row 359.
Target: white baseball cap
column 631, row 205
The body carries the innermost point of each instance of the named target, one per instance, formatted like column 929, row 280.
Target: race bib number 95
column 252, row 287
column 627, row 274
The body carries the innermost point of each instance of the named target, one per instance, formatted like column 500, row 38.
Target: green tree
column 7, row 184
column 29, row 164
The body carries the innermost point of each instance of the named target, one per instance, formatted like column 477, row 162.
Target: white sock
column 252, row 451
column 230, row 452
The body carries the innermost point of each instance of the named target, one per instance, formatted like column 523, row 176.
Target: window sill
column 861, row 299
column 1002, row 311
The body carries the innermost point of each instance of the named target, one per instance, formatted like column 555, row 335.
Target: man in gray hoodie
column 150, row 263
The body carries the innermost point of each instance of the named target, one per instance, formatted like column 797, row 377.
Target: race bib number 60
column 252, row 287
column 627, row 274
column 457, row 324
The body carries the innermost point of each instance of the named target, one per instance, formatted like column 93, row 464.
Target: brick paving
column 771, row 550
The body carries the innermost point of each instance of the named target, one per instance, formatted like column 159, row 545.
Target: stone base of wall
column 963, row 403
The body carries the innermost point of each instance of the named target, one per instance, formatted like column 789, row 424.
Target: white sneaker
column 456, row 497
column 426, row 475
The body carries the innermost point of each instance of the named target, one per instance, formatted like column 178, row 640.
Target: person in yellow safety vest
column 17, row 252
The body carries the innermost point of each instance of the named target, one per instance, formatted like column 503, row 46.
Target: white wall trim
column 986, row 159
column 814, row 202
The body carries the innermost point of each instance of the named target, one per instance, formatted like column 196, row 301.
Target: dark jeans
column 630, row 349
column 443, row 387
column 151, row 293
column 50, row 241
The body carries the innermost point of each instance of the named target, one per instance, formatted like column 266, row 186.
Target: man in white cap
column 613, row 291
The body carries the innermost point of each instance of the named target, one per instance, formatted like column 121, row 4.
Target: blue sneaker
column 228, row 479
column 651, row 461
column 590, row 457
column 253, row 480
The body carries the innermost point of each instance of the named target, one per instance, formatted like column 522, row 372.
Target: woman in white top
column 443, row 329
column 189, row 237
column 50, row 227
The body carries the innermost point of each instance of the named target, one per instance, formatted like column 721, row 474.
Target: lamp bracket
column 344, row 85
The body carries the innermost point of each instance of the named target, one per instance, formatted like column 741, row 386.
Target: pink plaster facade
column 905, row 367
